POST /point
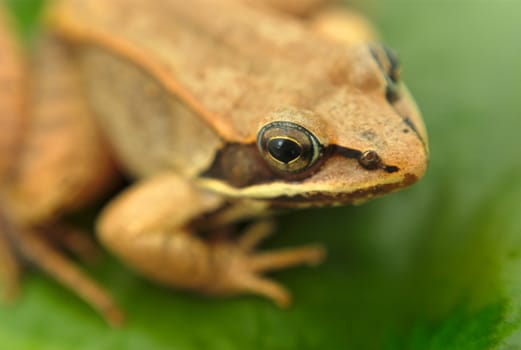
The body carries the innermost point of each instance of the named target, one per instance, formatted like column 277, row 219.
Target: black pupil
column 284, row 150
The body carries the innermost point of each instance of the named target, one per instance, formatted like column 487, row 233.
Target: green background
column 437, row 266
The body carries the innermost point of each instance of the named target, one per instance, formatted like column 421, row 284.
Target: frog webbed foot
column 241, row 267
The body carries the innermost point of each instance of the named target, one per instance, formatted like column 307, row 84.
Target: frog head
column 365, row 139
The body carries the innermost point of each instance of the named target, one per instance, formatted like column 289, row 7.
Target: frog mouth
column 329, row 199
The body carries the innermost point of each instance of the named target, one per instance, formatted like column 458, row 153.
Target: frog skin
column 223, row 112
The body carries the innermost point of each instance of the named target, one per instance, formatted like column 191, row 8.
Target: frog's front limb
column 150, row 227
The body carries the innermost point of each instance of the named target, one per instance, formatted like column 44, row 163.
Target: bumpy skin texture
column 174, row 88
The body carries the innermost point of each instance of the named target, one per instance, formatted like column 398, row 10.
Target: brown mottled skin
column 181, row 93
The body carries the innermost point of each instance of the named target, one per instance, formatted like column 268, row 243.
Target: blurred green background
column 437, row 266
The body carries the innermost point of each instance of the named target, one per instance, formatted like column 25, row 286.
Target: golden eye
column 288, row 147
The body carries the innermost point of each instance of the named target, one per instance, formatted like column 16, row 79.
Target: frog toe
column 255, row 234
column 284, row 258
column 272, row 290
column 242, row 270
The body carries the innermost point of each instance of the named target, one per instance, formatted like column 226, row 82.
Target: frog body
column 226, row 118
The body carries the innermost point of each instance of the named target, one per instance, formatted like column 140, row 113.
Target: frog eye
column 390, row 66
column 288, row 147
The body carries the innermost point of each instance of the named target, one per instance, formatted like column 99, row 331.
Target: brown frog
column 223, row 112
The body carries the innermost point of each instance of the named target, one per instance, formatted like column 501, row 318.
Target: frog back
column 172, row 86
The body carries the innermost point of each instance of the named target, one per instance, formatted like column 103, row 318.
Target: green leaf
column 26, row 11
column 437, row 266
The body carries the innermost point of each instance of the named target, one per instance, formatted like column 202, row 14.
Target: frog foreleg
column 149, row 227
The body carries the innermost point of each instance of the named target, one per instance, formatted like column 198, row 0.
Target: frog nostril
column 370, row 160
